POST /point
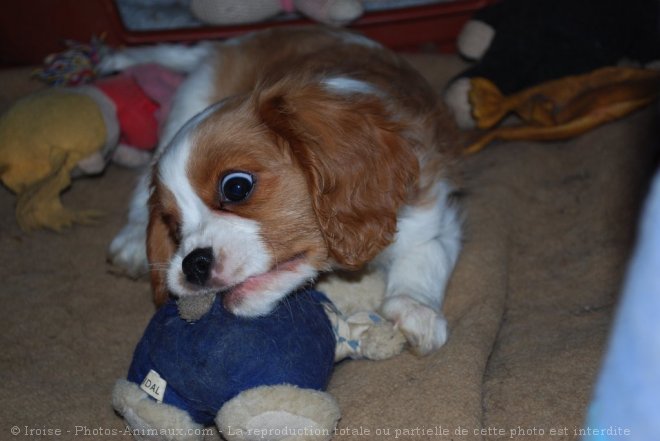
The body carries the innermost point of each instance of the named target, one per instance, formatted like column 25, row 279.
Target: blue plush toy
column 254, row 377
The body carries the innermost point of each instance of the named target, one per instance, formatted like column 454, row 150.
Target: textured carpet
column 548, row 231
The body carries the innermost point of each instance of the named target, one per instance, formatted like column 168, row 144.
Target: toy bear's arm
column 364, row 335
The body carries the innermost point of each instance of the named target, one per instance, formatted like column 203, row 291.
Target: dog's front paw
column 425, row 328
column 128, row 251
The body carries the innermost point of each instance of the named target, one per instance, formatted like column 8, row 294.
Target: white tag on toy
column 154, row 385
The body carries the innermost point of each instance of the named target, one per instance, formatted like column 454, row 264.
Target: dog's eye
column 236, row 186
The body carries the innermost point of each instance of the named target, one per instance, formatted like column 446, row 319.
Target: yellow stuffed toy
column 46, row 138
column 59, row 133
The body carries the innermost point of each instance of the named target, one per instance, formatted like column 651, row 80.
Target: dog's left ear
column 360, row 168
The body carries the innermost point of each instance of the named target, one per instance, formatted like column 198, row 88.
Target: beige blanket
column 548, row 228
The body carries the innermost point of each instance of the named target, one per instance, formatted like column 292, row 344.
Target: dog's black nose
column 196, row 266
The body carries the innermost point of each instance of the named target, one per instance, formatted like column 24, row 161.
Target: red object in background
column 30, row 30
column 136, row 112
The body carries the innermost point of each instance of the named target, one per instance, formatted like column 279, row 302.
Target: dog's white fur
column 417, row 264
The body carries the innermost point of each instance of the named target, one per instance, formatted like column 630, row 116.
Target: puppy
column 292, row 152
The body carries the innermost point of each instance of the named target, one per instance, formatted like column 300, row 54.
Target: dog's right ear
column 162, row 239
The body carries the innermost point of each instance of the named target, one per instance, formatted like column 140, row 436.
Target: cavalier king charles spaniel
column 291, row 152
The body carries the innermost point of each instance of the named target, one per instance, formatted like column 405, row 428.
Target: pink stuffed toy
column 137, row 101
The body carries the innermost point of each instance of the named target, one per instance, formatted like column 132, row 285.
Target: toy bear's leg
column 39, row 205
column 149, row 420
column 283, row 413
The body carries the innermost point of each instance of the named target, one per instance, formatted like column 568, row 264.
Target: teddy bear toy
column 255, row 378
column 62, row 132
column 519, row 44
column 233, row 12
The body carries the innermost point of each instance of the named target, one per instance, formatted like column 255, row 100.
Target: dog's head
column 259, row 193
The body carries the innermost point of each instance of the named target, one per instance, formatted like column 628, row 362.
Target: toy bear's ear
column 338, row 140
column 162, row 239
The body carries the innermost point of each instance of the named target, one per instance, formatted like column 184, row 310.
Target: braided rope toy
column 75, row 66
